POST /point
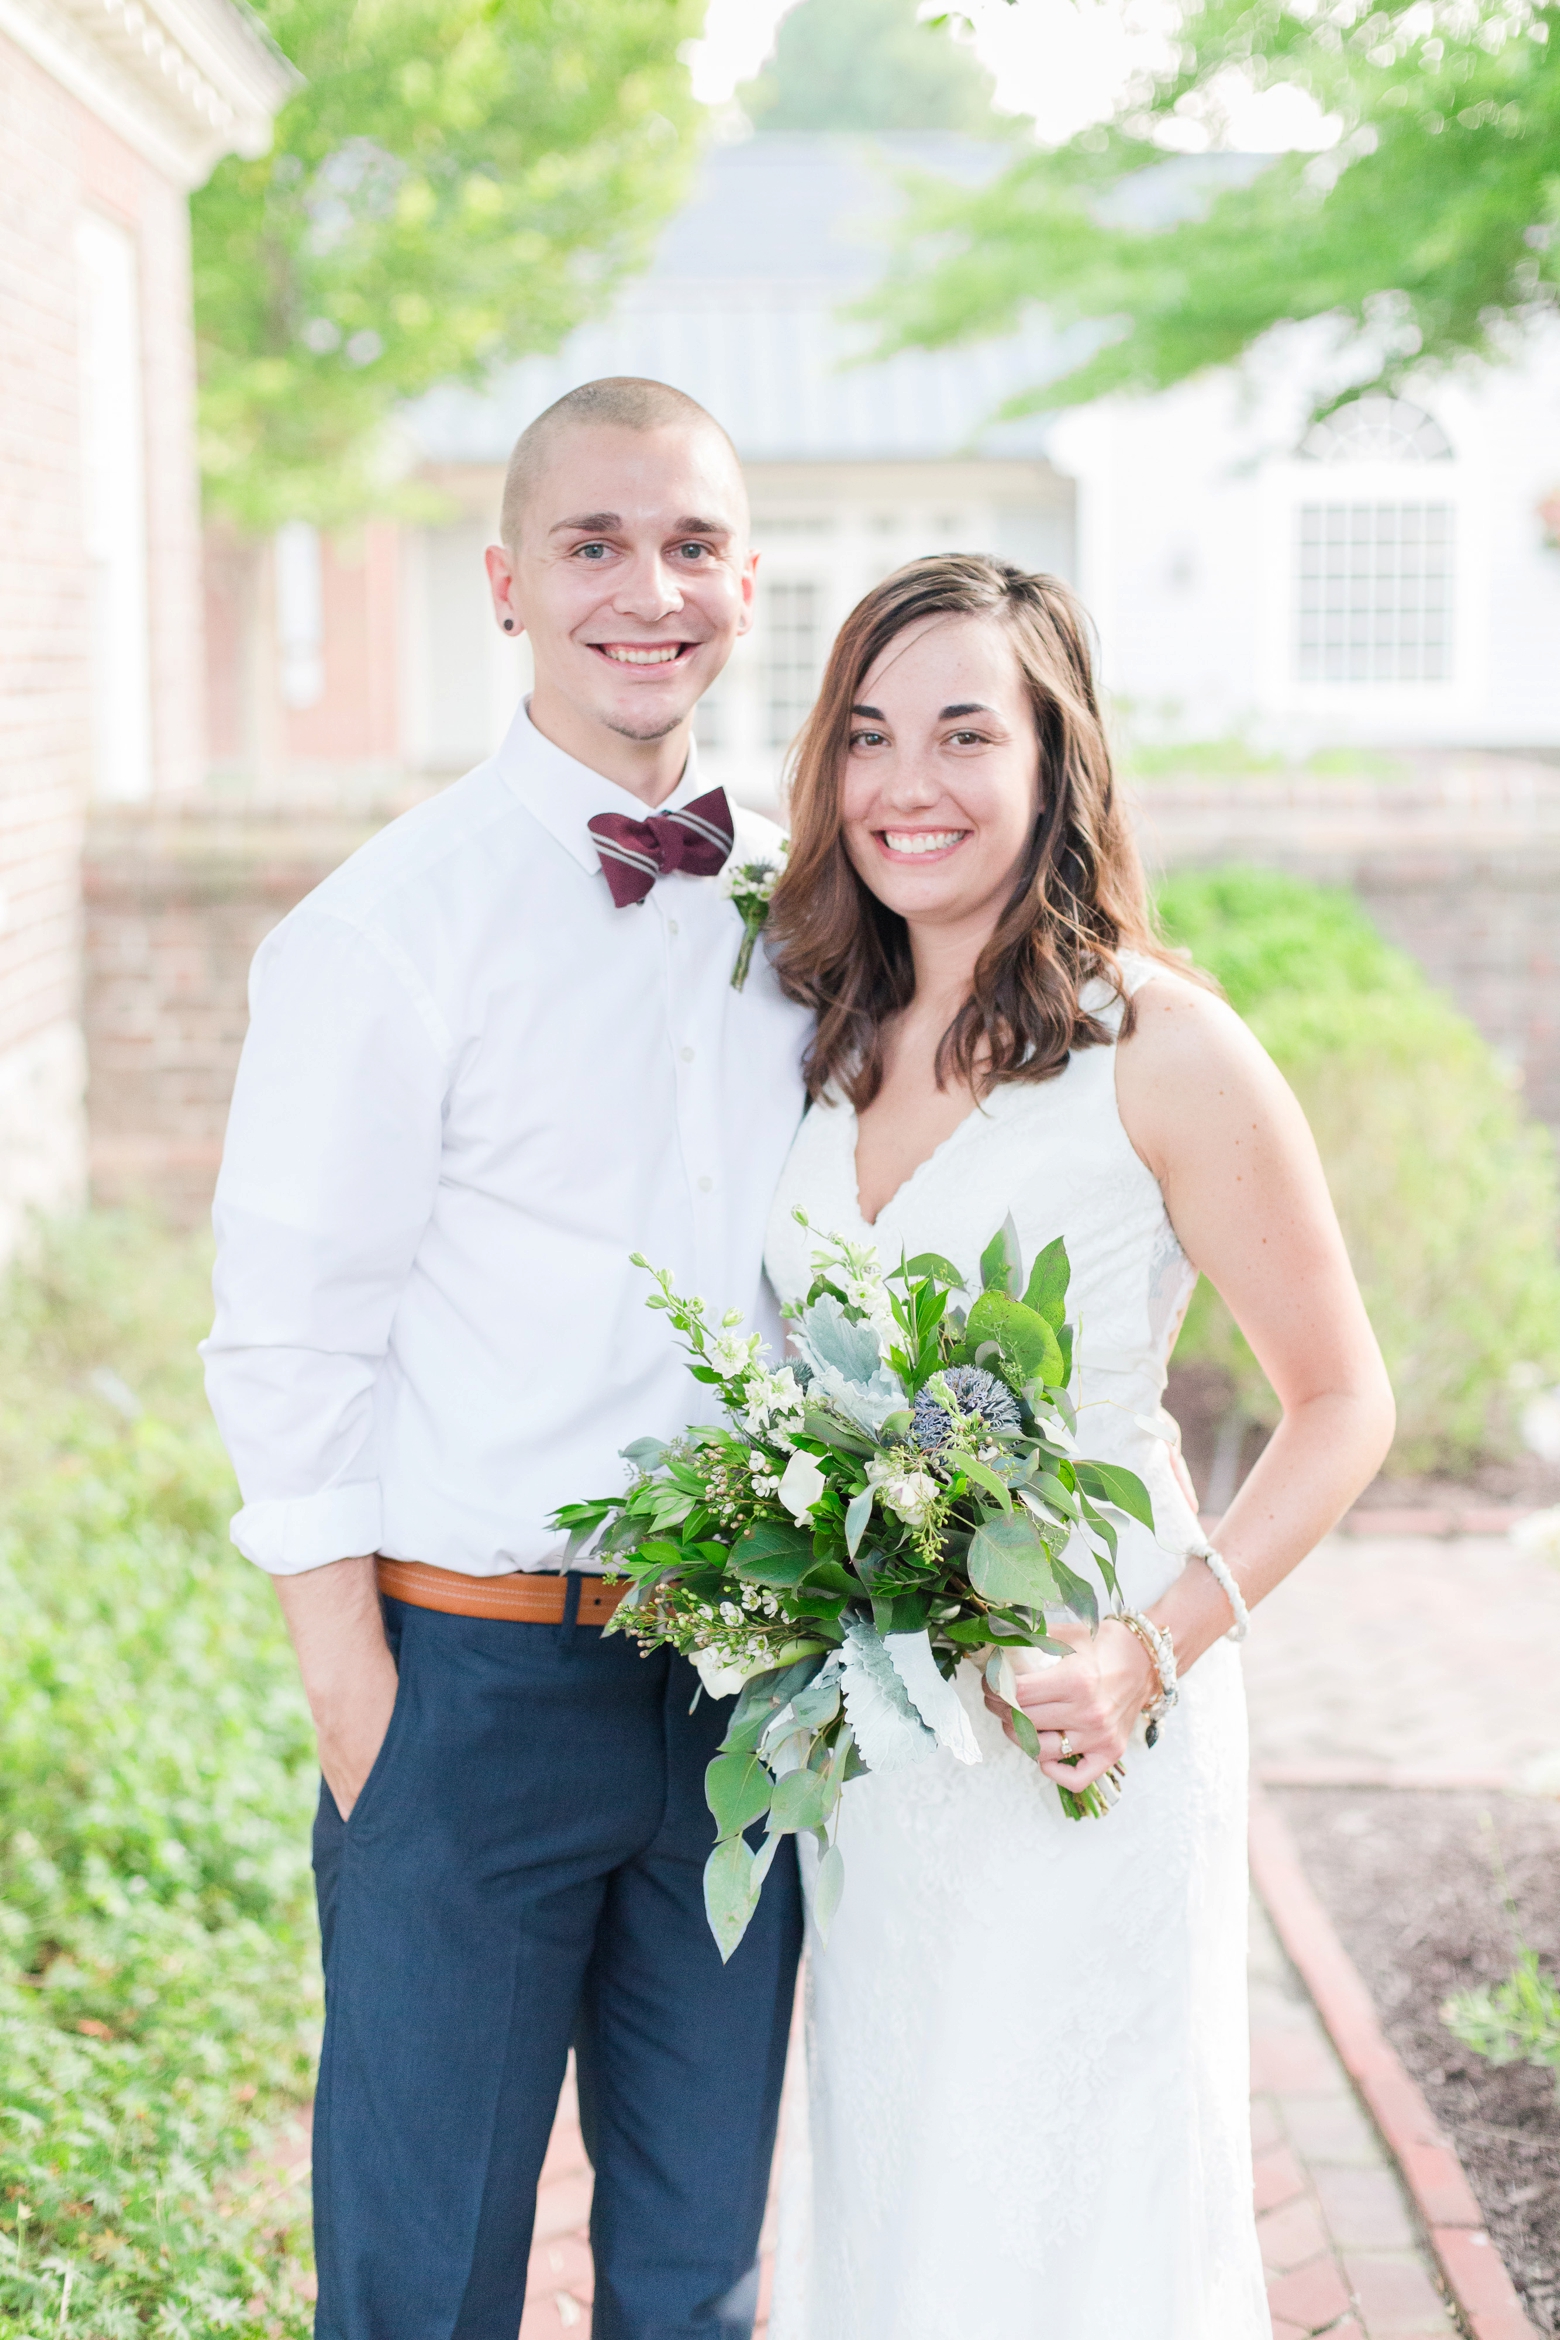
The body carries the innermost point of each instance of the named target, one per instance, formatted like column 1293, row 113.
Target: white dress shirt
column 471, row 1088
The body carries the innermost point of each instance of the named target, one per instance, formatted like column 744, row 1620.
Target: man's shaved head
column 619, row 402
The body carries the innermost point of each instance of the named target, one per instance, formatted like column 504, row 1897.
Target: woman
column 1027, row 2036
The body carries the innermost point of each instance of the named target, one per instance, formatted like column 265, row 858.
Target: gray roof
column 740, row 308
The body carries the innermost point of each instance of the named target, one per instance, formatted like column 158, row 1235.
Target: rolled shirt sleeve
column 329, row 1176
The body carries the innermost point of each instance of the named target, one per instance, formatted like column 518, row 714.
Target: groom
column 493, row 1055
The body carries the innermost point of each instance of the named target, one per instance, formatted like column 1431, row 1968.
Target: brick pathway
column 1407, row 1661
column 1395, row 1659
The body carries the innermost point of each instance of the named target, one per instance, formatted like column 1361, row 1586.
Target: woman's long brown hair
column 1078, row 896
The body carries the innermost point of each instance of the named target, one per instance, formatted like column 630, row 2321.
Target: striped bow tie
column 695, row 838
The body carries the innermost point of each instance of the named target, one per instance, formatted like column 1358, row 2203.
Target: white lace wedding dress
column 1026, row 2111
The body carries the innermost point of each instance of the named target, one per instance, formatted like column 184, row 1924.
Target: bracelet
column 1161, row 1654
column 1223, row 1576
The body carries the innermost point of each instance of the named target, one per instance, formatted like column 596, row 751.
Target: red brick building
column 110, row 112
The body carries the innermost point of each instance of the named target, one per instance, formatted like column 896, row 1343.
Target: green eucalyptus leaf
column 1009, row 1562
column 730, row 1893
column 1046, row 1290
column 856, row 1518
column 737, row 1789
column 932, row 1263
column 828, row 1885
column 1025, row 1342
column 1109, row 1483
column 773, row 1552
column 1002, row 1263
column 1077, row 1592
column 802, row 1800
column 983, row 1476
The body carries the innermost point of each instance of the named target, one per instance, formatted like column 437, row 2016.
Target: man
column 490, row 1057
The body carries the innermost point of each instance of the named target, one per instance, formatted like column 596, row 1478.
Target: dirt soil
column 1409, row 1881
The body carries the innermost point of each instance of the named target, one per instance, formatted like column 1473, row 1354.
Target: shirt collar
column 565, row 795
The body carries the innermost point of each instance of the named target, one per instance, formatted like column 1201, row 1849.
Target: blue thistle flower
column 981, row 1397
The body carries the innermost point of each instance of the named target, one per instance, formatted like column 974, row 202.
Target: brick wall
column 1459, row 865
column 57, row 161
column 1462, row 868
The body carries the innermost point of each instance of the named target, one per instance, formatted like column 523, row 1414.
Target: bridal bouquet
column 899, row 1496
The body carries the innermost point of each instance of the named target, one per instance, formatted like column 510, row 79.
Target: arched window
column 1376, row 430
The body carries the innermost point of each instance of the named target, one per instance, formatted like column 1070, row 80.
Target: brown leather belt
column 523, row 1598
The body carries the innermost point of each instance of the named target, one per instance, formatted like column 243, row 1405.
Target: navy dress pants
column 523, row 1872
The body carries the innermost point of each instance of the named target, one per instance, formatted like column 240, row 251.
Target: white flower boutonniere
column 751, row 885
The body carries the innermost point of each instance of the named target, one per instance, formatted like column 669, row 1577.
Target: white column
column 114, row 509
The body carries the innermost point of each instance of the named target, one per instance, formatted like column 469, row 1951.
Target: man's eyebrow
column 964, row 707
column 592, row 522
column 696, row 527
column 873, row 714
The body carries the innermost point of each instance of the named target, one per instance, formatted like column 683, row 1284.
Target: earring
column 509, row 625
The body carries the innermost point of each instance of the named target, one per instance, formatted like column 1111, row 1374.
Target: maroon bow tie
column 695, row 838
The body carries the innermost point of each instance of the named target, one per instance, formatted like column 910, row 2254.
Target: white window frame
column 1382, row 709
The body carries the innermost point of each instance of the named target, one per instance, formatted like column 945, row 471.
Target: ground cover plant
column 158, row 2001
column 1445, row 1188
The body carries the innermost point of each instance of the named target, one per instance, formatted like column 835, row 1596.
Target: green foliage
column 1443, row 197
column 158, row 1999
column 457, row 182
column 868, row 65
column 1517, row 2022
column 1445, row 1189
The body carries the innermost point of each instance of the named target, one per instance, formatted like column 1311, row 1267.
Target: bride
column 1027, row 2109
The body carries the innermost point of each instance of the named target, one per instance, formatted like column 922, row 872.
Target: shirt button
column 686, row 1054
column 671, row 926
column 706, row 1186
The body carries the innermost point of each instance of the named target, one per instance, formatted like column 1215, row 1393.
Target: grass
column 158, row 1992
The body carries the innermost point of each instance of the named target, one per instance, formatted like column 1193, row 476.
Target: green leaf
column 1001, row 1263
column 1109, row 1483
column 829, row 1430
column 828, row 1885
column 1009, row 1562
column 645, row 1453
column 1077, row 1592
column 856, row 1518
column 1025, row 1733
column 737, row 1789
column 1046, row 1291
column 1025, row 1342
column 801, row 1800
column 984, row 1476
column 730, row 1893
column 932, row 1263
column 773, row 1552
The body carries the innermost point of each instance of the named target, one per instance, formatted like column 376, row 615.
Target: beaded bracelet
column 1161, row 1655
column 1223, row 1577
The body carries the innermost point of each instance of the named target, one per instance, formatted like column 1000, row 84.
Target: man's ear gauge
column 509, row 625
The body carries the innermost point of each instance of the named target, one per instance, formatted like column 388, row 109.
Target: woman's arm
column 1211, row 1116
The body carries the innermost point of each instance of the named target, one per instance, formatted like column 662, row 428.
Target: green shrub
column 158, row 2000
column 1445, row 1189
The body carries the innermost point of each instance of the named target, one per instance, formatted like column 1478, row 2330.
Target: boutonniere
column 751, row 885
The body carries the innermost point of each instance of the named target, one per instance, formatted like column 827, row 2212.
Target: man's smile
column 643, row 653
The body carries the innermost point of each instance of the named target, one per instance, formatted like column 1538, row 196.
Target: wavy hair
column 1078, row 896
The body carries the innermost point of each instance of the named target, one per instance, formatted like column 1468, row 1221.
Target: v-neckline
column 925, row 1163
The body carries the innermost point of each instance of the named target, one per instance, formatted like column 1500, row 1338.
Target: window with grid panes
column 793, row 654
column 1374, row 592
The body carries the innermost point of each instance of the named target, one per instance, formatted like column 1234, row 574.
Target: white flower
column 731, row 1356
column 908, row 1494
column 802, row 1486
column 720, row 1677
column 775, row 1405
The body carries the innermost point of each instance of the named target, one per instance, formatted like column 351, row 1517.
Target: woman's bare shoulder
column 1191, row 1068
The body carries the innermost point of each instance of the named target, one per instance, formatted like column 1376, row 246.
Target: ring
column 1064, row 1752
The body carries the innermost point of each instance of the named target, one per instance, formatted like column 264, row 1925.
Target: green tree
column 455, row 182
column 868, row 65
column 1433, row 225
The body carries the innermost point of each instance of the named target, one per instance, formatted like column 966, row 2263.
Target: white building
column 1383, row 580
